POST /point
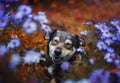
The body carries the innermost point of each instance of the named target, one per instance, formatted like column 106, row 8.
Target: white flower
column 32, row 56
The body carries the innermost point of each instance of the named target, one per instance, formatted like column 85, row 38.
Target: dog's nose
column 57, row 51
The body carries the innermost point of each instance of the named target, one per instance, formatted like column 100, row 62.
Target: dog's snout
column 58, row 51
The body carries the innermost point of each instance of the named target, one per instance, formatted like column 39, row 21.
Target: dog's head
column 62, row 46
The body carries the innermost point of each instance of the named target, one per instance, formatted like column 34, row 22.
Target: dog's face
column 62, row 46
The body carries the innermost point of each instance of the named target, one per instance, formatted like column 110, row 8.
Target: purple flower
column 118, row 35
column 108, row 41
column 106, row 34
column 2, row 10
column 118, row 76
column 29, row 27
column 110, row 57
column 3, row 49
column 101, row 26
column 14, row 42
column 31, row 56
column 110, row 50
column 65, row 65
column 88, row 23
column 47, row 30
column 68, row 81
column 85, row 32
column 100, row 76
column 3, row 22
column 41, row 17
column 11, row 0
column 117, row 63
column 83, row 80
column 14, row 61
column 92, row 61
column 30, row 16
column 17, row 16
column 25, row 9
column 101, row 45
column 116, row 23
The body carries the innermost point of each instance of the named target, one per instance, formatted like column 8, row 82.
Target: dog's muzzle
column 57, row 58
column 58, row 52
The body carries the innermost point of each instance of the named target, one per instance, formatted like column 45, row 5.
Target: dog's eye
column 55, row 41
column 68, row 44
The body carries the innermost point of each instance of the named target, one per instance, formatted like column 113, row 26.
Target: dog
column 61, row 47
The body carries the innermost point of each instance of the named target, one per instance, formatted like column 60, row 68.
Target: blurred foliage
column 71, row 14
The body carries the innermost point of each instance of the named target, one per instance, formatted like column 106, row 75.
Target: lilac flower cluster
column 30, row 56
column 41, row 17
column 23, row 15
column 109, row 36
column 23, row 10
column 97, row 76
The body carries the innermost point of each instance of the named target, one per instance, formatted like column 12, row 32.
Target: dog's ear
column 52, row 34
column 79, row 41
